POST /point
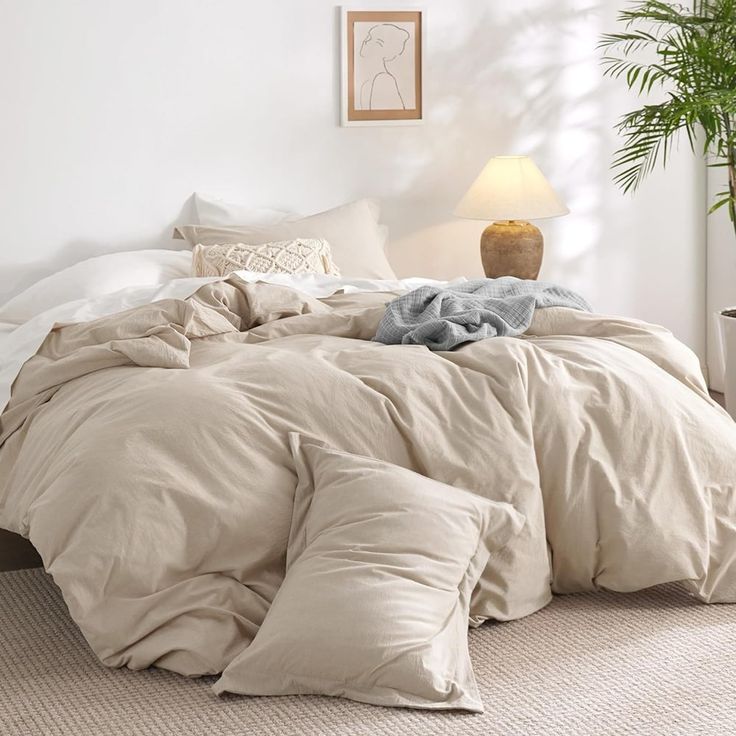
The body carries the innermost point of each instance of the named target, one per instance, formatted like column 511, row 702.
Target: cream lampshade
column 511, row 190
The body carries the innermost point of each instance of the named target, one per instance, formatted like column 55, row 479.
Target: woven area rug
column 655, row 662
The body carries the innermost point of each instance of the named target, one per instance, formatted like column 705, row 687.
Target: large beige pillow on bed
column 288, row 256
column 381, row 564
column 353, row 232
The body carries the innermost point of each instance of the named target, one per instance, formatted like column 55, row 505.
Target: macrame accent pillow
column 304, row 255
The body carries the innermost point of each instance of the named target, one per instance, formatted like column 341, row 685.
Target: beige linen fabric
column 353, row 232
column 381, row 565
column 146, row 456
column 286, row 256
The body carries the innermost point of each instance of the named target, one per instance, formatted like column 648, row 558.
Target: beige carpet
column 650, row 663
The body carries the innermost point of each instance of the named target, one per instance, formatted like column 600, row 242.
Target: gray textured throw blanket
column 444, row 317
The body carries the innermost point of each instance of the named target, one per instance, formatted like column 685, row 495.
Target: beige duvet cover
column 146, row 456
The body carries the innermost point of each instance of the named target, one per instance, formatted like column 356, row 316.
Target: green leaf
column 720, row 203
column 690, row 53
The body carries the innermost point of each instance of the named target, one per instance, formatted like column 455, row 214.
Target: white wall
column 721, row 274
column 114, row 111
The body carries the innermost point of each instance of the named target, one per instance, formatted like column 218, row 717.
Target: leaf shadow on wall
column 504, row 83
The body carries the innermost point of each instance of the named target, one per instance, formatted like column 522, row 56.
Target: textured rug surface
column 655, row 662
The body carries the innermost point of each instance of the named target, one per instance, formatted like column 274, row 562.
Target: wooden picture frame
column 383, row 66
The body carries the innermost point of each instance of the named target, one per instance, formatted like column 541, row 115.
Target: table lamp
column 511, row 190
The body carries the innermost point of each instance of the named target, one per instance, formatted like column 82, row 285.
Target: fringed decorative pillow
column 303, row 255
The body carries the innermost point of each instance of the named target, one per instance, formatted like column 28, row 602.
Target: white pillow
column 95, row 277
column 352, row 230
column 381, row 564
column 217, row 212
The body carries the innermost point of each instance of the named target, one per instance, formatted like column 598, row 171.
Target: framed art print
column 382, row 65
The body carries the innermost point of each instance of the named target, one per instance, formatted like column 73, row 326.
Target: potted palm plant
column 687, row 57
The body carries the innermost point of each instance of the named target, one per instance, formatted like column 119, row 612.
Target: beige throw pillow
column 288, row 256
column 381, row 564
column 353, row 232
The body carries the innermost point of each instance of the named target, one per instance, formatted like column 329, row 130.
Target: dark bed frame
column 16, row 553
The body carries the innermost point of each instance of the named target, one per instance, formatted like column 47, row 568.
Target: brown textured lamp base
column 512, row 248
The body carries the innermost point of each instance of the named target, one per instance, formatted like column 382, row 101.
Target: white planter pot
column 727, row 329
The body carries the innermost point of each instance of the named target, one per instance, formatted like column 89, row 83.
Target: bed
column 148, row 452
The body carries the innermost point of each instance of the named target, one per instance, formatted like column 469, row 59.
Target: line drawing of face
column 384, row 41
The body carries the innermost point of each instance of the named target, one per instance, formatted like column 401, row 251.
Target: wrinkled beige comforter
column 146, row 457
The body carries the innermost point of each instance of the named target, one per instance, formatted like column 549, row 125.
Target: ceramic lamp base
column 512, row 249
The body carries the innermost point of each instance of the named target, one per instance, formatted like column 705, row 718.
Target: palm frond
column 689, row 54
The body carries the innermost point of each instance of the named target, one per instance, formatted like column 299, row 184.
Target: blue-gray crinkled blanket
column 444, row 317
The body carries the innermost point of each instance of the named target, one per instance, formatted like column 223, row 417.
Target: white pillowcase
column 381, row 564
column 217, row 212
column 352, row 230
column 96, row 277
